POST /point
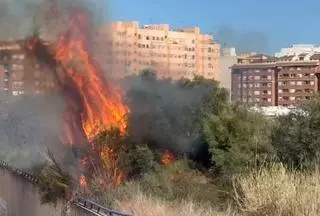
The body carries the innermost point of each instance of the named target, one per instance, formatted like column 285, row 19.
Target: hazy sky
column 264, row 26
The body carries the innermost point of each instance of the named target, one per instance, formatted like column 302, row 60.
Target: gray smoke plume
column 165, row 114
column 16, row 18
column 29, row 125
column 252, row 41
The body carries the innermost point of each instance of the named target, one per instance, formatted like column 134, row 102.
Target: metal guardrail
column 96, row 208
column 81, row 202
column 24, row 175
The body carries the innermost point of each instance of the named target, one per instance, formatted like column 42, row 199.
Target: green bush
column 296, row 137
column 141, row 160
column 237, row 138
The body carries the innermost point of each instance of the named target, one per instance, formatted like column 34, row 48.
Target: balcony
column 306, row 70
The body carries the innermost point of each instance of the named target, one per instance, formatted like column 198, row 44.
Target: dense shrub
column 296, row 137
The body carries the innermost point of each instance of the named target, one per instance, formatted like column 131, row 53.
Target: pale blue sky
column 263, row 26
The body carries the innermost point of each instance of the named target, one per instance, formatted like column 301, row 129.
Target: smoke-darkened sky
column 262, row 26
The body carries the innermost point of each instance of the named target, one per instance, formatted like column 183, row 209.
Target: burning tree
column 93, row 104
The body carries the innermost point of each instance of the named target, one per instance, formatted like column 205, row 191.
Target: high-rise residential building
column 227, row 60
column 270, row 81
column 174, row 54
column 20, row 73
column 297, row 49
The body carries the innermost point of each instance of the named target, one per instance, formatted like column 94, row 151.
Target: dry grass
column 270, row 191
column 277, row 191
column 141, row 204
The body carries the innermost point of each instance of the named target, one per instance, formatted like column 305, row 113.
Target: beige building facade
column 174, row 54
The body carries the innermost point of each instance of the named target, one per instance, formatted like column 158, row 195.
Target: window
column 256, row 92
column 292, row 98
column 299, row 83
column 292, row 90
column 292, row 83
column 256, row 77
column 285, row 98
column 269, row 77
column 147, row 38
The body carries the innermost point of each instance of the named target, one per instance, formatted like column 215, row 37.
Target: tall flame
column 102, row 102
column 93, row 103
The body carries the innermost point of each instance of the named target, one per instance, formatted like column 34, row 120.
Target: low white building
column 273, row 111
column 297, row 49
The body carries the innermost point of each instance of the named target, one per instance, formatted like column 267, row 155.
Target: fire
column 167, row 158
column 93, row 103
column 102, row 102
column 83, row 181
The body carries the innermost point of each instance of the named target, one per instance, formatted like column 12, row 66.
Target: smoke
column 16, row 18
column 165, row 114
column 251, row 41
column 29, row 125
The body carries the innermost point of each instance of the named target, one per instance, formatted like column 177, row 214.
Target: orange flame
column 102, row 106
column 102, row 103
column 83, row 181
column 167, row 158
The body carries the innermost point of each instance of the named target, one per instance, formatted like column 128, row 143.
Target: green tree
column 237, row 137
column 296, row 136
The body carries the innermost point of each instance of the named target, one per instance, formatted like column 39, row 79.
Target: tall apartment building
column 227, row 60
column 170, row 53
column 270, row 81
column 20, row 73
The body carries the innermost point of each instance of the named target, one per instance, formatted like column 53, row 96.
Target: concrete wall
column 19, row 197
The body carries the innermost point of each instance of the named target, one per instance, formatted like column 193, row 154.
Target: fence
column 19, row 197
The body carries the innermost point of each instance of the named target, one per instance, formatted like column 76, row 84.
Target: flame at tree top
column 93, row 103
column 101, row 101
